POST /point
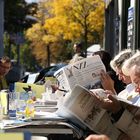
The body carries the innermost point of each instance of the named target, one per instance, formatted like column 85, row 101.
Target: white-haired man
column 132, row 68
column 116, row 65
column 129, row 122
column 125, row 118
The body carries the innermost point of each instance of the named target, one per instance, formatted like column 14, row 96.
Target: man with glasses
column 5, row 66
column 126, row 117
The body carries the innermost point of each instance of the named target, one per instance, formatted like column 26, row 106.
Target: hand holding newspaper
column 100, row 92
column 80, row 107
column 85, row 72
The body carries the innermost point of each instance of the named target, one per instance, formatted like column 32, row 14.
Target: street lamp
column 1, row 26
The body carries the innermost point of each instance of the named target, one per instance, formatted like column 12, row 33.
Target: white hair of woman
column 129, row 63
column 119, row 59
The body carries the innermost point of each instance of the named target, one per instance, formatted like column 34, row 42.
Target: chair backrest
column 37, row 89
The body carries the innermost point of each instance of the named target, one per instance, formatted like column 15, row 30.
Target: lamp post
column 1, row 26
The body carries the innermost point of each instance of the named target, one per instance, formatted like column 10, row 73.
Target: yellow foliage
column 59, row 7
column 49, row 39
column 35, row 32
column 62, row 20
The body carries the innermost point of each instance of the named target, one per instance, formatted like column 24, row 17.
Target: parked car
column 53, row 69
column 49, row 71
column 45, row 72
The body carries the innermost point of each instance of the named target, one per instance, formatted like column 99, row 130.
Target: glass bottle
column 29, row 110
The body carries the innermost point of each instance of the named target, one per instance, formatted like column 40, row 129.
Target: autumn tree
column 15, row 13
column 62, row 22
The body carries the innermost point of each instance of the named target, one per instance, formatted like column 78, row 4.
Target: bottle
column 48, row 91
column 29, row 110
column 31, row 94
column 12, row 108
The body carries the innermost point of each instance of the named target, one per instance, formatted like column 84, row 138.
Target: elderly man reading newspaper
column 126, row 117
column 78, row 105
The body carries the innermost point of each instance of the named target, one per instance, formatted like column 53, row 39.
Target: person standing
column 78, row 52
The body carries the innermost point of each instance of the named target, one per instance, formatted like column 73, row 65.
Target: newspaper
column 78, row 105
column 80, row 108
column 85, row 72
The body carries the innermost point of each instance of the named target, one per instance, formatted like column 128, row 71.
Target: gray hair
column 132, row 61
column 119, row 59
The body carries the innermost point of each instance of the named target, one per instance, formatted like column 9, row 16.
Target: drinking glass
column 20, row 113
column 30, row 109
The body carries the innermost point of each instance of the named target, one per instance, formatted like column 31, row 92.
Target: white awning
column 93, row 48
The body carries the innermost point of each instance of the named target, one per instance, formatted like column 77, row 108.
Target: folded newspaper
column 79, row 107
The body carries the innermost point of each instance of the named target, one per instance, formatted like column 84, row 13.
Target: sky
column 30, row 1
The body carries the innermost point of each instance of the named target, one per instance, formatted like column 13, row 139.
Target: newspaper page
column 80, row 108
column 85, row 72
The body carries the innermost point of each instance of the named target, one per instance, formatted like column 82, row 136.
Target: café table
column 50, row 128
column 50, row 125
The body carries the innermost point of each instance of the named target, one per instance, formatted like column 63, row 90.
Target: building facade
column 122, row 25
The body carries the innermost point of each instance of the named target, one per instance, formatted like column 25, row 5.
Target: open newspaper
column 85, row 72
column 80, row 107
column 77, row 105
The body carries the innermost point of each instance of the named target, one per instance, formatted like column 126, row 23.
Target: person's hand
column 54, row 88
column 109, row 103
column 137, row 88
column 107, row 82
column 97, row 137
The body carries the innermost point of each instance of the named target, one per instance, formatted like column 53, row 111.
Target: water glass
column 12, row 109
column 20, row 110
column 30, row 109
